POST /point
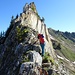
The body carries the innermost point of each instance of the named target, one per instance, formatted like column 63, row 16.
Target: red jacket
column 41, row 38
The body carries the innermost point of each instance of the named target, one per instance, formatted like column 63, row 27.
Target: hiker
column 41, row 39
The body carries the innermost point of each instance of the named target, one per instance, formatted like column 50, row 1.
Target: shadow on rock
column 50, row 71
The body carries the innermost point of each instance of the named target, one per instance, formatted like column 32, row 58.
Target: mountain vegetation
column 65, row 43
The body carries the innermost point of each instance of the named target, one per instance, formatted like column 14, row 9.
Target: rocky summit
column 20, row 52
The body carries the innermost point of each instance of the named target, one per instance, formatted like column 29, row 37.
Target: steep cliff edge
column 31, row 19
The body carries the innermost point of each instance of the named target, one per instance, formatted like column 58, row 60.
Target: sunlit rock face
column 30, row 18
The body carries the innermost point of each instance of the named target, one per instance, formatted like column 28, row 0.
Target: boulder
column 25, row 67
column 36, row 58
column 29, row 68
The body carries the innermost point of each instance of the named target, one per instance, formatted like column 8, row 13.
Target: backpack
column 40, row 35
column 41, row 38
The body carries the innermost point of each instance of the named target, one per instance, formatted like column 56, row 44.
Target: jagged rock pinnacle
column 30, row 6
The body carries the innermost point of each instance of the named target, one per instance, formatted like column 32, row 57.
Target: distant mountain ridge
column 66, row 40
column 66, row 34
column 70, row 36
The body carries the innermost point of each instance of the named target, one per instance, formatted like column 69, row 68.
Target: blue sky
column 58, row 14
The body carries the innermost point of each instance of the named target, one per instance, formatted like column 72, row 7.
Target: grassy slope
column 67, row 45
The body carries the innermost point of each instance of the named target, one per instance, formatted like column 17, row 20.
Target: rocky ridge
column 21, row 54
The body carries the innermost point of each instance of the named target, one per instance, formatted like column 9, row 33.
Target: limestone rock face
column 30, row 6
column 29, row 67
column 31, row 20
column 26, row 67
column 36, row 58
